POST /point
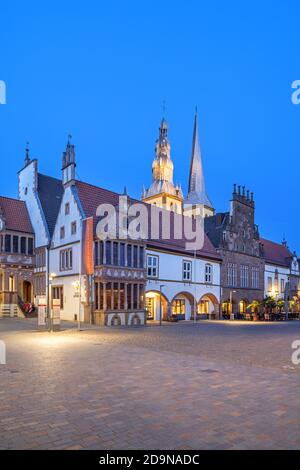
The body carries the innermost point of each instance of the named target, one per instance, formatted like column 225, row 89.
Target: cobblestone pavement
column 214, row 385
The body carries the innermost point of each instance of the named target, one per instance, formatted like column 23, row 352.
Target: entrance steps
column 9, row 310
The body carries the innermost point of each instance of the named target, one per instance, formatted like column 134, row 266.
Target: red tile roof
column 92, row 196
column 15, row 215
column 276, row 253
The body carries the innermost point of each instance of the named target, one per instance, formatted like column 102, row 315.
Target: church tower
column 68, row 164
column 197, row 202
column 162, row 191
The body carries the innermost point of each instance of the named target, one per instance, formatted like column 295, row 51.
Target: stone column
column 104, row 297
column 125, row 296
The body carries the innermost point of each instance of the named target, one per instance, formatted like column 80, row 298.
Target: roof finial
column 164, row 108
column 27, row 158
column 69, row 138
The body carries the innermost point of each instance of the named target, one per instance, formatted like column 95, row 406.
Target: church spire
column 196, row 191
column 27, row 158
column 68, row 163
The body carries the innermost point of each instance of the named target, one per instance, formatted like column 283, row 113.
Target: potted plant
column 255, row 308
column 269, row 304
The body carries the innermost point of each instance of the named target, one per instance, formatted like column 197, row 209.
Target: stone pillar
column 169, row 309
column 125, row 296
column 104, row 297
column 138, row 296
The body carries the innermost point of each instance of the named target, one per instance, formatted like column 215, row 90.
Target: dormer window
column 62, row 232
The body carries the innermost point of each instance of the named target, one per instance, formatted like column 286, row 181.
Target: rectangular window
column 58, row 293
column 116, row 293
column 208, row 273
column 282, row 286
column 178, row 307
column 135, row 296
column 129, row 255
column 255, row 278
column 67, row 208
column 108, row 295
column 115, row 253
column 15, row 244
column 135, row 256
column 187, row 270
column 98, row 253
column 152, row 266
column 244, row 275
column 122, row 254
column 30, row 246
column 122, row 297
column 231, row 274
column 11, row 284
column 23, row 245
column 129, row 297
column 66, row 259
column 73, row 228
column 141, row 256
column 108, row 251
column 270, row 284
column 7, row 244
column 62, row 232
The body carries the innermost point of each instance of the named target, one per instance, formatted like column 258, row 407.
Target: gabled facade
column 282, row 273
column 235, row 236
column 126, row 276
column 42, row 195
column 16, row 257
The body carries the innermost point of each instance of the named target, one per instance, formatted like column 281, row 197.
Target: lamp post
column 231, row 309
column 51, row 277
column 160, row 304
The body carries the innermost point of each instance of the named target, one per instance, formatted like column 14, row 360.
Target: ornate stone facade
column 235, row 236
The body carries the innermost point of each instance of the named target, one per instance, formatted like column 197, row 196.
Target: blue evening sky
column 101, row 70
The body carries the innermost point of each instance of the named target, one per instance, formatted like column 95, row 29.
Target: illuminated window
column 178, row 307
column 58, row 294
column 270, row 284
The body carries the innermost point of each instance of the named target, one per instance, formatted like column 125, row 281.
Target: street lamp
column 231, row 309
column 160, row 304
column 51, row 277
